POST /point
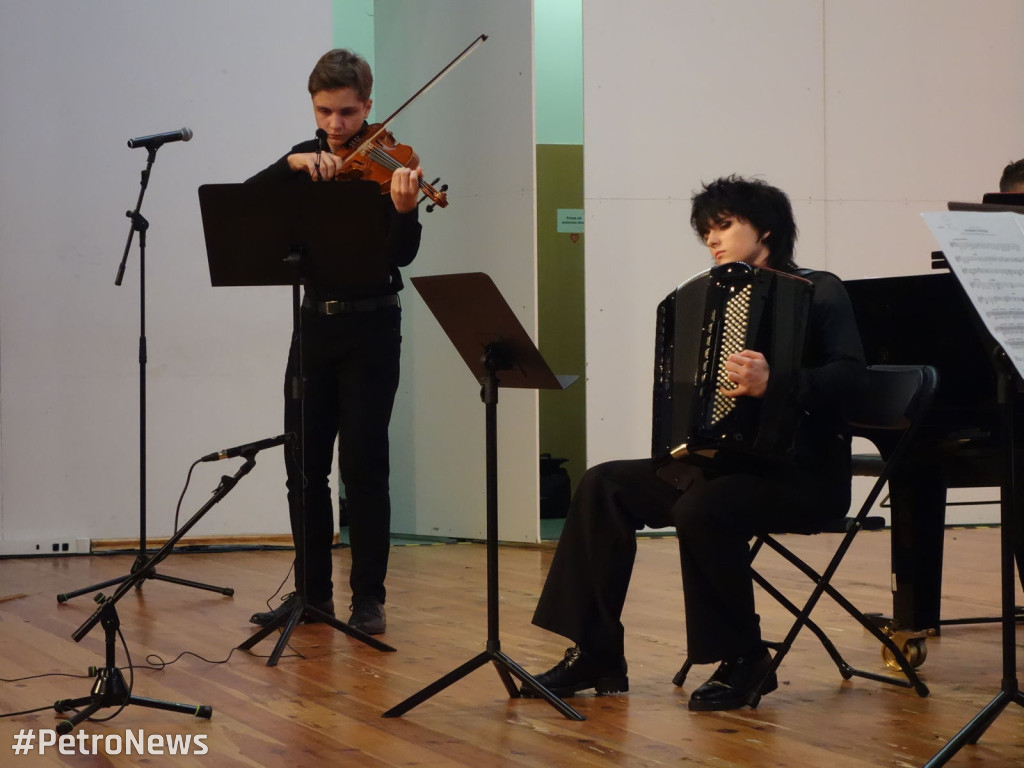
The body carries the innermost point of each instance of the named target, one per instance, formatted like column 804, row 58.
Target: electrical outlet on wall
column 45, row 547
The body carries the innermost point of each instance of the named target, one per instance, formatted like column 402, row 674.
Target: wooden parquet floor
column 322, row 704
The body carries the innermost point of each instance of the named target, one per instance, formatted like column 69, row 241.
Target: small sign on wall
column 570, row 220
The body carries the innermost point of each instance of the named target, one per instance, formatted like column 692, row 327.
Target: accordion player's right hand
column 748, row 371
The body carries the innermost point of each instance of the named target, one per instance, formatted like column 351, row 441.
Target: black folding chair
column 887, row 415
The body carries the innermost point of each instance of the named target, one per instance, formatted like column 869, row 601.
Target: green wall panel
column 563, row 431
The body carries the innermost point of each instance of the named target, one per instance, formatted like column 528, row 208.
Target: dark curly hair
column 1013, row 177
column 767, row 208
column 339, row 68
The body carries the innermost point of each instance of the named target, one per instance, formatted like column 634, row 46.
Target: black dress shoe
column 579, row 671
column 368, row 616
column 736, row 683
column 264, row 618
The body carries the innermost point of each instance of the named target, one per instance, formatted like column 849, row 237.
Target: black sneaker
column 368, row 616
column 264, row 618
column 578, row 671
column 735, row 684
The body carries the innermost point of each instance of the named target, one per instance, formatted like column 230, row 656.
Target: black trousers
column 351, row 368
column 586, row 587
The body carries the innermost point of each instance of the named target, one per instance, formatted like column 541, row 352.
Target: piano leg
column 918, row 496
column 1018, row 517
column 1018, row 476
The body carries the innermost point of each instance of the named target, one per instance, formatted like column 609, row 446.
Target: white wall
column 77, row 80
column 866, row 112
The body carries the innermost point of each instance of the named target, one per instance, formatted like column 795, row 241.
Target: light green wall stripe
column 352, row 22
column 558, row 59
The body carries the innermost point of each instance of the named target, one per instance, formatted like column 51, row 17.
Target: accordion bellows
column 724, row 310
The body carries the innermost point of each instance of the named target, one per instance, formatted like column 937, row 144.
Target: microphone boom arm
column 222, row 490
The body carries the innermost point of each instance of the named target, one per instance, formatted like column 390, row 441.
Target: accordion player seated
column 788, row 343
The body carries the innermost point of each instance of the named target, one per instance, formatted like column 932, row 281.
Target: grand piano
column 926, row 319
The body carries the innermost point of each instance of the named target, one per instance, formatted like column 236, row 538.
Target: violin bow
column 430, row 84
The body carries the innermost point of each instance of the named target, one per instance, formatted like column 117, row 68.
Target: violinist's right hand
column 330, row 164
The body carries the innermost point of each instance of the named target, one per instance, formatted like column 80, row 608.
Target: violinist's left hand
column 749, row 371
column 405, row 188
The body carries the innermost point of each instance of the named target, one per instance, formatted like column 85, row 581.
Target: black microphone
column 159, row 139
column 321, row 146
column 249, row 449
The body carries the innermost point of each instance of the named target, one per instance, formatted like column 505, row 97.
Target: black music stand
column 1009, row 691
column 487, row 334
column 1009, row 517
column 293, row 234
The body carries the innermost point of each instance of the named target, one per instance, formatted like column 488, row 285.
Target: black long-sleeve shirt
column 402, row 239
column 832, row 375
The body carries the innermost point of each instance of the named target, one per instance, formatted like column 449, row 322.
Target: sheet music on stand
column 985, row 250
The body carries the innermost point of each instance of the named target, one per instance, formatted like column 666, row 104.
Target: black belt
column 355, row 305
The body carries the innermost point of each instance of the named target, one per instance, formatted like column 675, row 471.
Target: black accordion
column 725, row 310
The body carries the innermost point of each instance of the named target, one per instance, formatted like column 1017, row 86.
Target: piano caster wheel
column 914, row 648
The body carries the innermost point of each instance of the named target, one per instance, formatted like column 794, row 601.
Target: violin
column 376, row 158
column 374, row 154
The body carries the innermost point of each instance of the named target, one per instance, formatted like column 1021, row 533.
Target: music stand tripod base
column 288, row 621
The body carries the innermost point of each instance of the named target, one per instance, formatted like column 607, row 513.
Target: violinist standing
column 351, row 343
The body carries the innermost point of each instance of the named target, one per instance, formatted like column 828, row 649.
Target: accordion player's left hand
column 748, row 371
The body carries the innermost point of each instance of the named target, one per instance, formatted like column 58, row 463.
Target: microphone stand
column 140, row 566
column 110, row 688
